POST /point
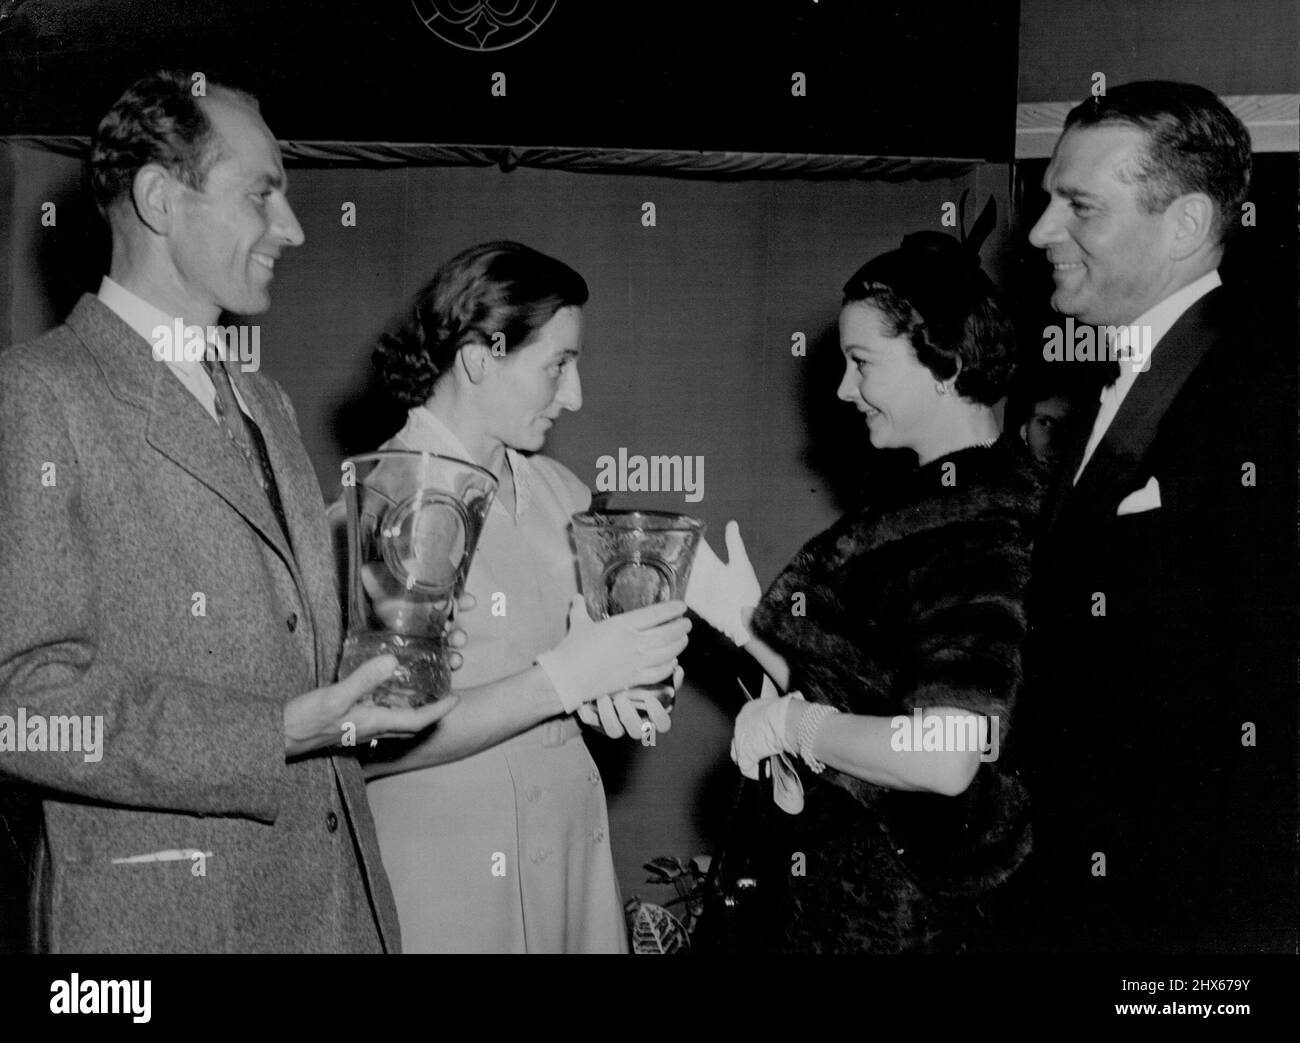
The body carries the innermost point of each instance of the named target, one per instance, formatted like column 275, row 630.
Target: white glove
column 635, row 648
column 616, row 715
column 718, row 593
column 760, row 732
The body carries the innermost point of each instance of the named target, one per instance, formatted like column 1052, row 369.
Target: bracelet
column 813, row 718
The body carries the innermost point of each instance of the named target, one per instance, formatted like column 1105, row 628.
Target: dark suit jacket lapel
column 1114, row 469
column 177, row 426
column 1062, row 486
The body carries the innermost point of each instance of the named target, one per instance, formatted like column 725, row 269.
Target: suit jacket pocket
column 1140, row 500
column 173, row 905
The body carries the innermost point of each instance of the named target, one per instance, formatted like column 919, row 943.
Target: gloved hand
column 616, row 714
column 635, row 648
column 718, row 593
column 760, row 732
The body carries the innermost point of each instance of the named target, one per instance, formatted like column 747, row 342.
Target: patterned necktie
column 246, row 436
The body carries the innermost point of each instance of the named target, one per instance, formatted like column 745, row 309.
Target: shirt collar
column 1161, row 319
column 1167, row 312
column 424, row 430
column 144, row 318
column 132, row 309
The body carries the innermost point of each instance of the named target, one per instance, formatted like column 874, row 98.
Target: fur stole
column 918, row 601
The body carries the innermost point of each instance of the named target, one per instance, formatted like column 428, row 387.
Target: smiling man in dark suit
column 165, row 568
column 1160, row 732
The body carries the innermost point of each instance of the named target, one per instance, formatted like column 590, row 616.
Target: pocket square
column 1145, row 499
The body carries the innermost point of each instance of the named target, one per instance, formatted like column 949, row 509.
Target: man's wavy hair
column 500, row 287
column 157, row 120
column 1193, row 144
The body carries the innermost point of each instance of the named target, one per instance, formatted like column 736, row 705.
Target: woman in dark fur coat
column 898, row 633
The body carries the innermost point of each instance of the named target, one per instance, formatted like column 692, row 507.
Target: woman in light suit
column 493, row 829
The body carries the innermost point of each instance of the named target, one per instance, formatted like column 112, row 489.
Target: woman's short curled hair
column 495, row 288
column 933, row 292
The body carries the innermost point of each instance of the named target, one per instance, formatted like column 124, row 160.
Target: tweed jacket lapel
column 178, row 427
column 304, row 510
column 1115, row 468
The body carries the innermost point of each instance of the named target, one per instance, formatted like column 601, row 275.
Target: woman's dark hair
column 933, row 291
column 495, row 288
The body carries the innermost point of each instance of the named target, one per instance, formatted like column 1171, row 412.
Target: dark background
column 716, row 75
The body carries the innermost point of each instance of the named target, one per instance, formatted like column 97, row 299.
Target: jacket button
column 331, row 822
column 292, row 622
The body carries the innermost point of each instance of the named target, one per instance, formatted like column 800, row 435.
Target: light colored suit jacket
column 144, row 579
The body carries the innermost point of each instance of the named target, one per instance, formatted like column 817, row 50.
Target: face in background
column 886, row 382
column 529, row 388
column 1111, row 261
column 1044, row 430
column 225, row 240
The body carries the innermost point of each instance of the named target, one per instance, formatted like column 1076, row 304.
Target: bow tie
column 1120, row 351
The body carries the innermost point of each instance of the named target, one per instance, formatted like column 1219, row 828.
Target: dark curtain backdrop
column 688, row 352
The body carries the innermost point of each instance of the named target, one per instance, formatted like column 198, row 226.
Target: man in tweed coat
column 146, row 581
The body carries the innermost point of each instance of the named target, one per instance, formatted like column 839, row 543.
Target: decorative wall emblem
column 488, row 25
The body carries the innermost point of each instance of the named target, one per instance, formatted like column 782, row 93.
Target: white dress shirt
column 144, row 318
column 1160, row 318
